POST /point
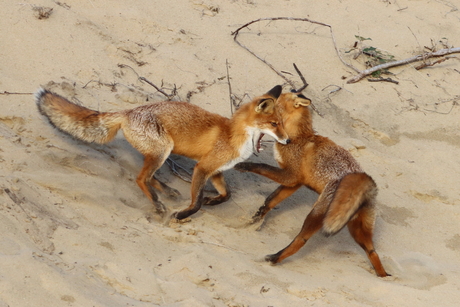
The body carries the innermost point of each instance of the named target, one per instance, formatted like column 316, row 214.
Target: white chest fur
column 246, row 149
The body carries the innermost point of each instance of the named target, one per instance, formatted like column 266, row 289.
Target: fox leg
column 151, row 164
column 198, row 182
column 218, row 182
column 280, row 194
column 311, row 225
column 279, row 175
column 361, row 229
column 163, row 187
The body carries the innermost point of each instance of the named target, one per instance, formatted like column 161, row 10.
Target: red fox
column 158, row 129
column 346, row 193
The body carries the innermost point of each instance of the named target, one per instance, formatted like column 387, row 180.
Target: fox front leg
column 219, row 184
column 198, row 182
column 280, row 194
column 282, row 176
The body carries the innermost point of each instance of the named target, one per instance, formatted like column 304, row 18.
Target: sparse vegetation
column 374, row 56
column 42, row 12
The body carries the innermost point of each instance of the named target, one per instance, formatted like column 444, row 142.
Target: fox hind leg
column 312, row 224
column 164, row 188
column 361, row 229
column 151, row 164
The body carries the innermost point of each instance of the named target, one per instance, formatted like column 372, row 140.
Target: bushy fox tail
column 354, row 191
column 78, row 121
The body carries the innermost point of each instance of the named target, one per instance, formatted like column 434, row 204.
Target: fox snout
column 284, row 141
column 281, row 135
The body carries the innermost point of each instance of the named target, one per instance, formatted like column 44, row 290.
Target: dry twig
column 169, row 96
column 236, row 32
column 420, row 57
column 173, row 165
column 304, row 86
column 230, row 94
column 383, row 79
column 361, row 73
column 431, row 64
column 14, row 93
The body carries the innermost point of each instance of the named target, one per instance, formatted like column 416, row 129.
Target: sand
column 73, row 221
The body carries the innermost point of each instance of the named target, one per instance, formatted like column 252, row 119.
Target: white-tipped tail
column 78, row 121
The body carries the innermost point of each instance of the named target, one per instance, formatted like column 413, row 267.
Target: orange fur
column 346, row 193
column 158, row 129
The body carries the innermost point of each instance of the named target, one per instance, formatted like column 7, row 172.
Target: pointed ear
column 266, row 106
column 276, row 91
column 301, row 101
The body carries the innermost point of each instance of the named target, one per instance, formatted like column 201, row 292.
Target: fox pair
column 217, row 143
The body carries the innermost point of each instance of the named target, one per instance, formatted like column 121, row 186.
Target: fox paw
column 160, row 209
column 172, row 193
column 255, row 223
column 255, row 219
column 273, row 259
column 180, row 215
column 155, row 215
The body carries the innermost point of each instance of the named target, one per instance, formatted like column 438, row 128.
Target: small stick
column 14, row 93
column 235, row 34
column 156, row 87
column 305, row 84
column 268, row 64
column 338, row 88
column 173, row 164
column 444, row 113
column 431, row 64
column 416, row 58
column 384, row 80
column 148, row 82
column 230, row 95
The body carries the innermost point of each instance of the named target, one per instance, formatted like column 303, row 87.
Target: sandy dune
column 74, row 222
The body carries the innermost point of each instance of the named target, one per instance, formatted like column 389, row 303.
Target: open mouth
column 258, row 145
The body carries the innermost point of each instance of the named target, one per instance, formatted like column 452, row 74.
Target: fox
column 346, row 193
column 159, row 129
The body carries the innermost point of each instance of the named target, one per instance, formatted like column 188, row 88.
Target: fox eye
column 274, row 124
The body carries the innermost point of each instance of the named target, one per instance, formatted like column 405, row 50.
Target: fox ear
column 266, row 106
column 276, row 91
column 301, row 101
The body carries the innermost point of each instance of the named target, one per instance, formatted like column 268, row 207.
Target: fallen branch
column 236, row 32
column 173, row 166
column 383, row 80
column 230, row 94
column 158, row 89
column 431, row 64
column 420, row 57
column 304, row 86
column 170, row 96
column 14, row 93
